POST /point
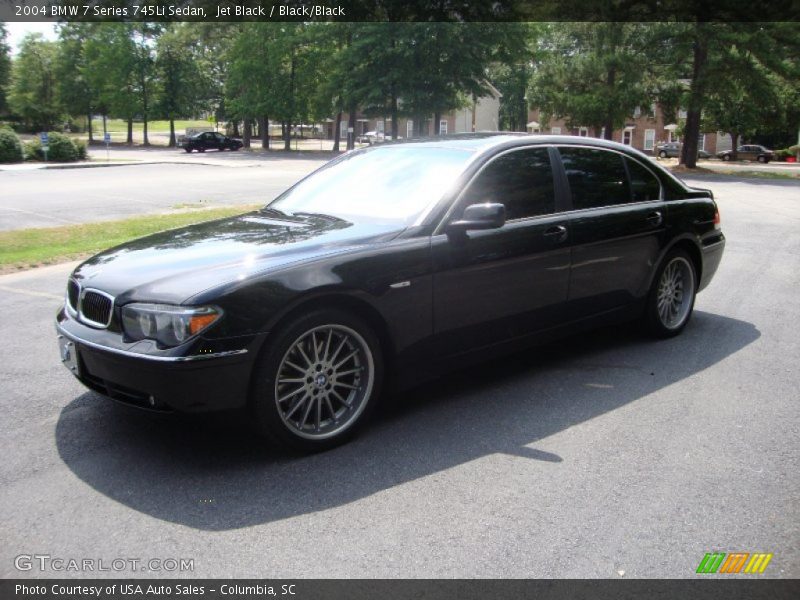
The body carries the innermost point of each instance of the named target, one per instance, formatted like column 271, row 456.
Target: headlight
column 166, row 324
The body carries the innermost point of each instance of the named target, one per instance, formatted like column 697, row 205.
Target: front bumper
column 214, row 381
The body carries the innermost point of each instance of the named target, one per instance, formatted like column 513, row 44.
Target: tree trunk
column 734, row 145
column 337, row 131
column 394, row 117
column 287, row 136
column 437, row 117
column 248, row 132
column 89, row 127
column 351, row 129
column 263, row 124
column 235, row 129
column 105, row 125
column 696, row 91
column 130, row 131
column 145, row 139
column 171, row 132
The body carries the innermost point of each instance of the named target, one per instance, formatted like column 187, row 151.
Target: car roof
column 487, row 141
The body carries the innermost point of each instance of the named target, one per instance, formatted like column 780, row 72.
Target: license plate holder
column 69, row 355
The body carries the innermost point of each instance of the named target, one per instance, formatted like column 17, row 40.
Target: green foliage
column 61, row 148
column 33, row 94
column 10, row 147
column 5, row 67
column 593, row 74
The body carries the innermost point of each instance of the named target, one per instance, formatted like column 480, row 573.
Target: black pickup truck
column 209, row 140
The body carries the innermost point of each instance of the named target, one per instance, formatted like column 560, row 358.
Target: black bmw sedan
column 455, row 249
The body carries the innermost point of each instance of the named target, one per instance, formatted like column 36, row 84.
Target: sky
column 17, row 31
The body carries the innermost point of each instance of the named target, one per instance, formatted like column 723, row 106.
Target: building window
column 602, row 133
column 649, row 139
column 669, row 136
column 701, row 141
column 379, row 126
column 583, row 131
column 555, row 130
column 637, row 112
column 409, row 129
column 443, row 127
column 343, row 128
column 626, row 137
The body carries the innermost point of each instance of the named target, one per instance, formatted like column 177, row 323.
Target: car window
column 219, row 137
column 644, row 185
column 596, row 177
column 521, row 180
column 394, row 183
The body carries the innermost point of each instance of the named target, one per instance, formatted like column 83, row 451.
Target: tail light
column 716, row 219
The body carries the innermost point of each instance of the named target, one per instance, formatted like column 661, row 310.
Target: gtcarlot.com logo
column 734, row 562
column 46, row 562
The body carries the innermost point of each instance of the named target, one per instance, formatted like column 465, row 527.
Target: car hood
column 174, row 265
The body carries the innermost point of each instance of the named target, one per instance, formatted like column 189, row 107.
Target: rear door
column 499, row 284
column 616, row 226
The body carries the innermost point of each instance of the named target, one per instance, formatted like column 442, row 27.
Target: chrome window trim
column 168, row 359
column 439, row 230
column 83, row 318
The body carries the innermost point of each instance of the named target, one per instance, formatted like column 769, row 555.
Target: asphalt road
column 603, row 455
column 48, row 198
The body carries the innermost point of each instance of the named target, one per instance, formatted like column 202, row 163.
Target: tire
column 188, row 149
column 670, row 302
column 662, row 154
column 338, row 384
column 201, row 149
column 726, row 157
column 762, row 159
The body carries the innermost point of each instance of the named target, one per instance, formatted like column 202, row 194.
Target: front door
column 499, row 284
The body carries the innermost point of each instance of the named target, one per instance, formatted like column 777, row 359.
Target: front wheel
column 662, row 154
column 762, row 159
column 726, row 157
column 319, row 381
column 671, row 299
column 188, row 149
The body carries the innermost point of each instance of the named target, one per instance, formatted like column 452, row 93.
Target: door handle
column 557, row 233
column 655, row 219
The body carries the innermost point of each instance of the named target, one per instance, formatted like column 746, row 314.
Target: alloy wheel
column 324, row 381
column 675, row 293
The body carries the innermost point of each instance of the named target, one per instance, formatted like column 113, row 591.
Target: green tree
column 180, row 83
column 5, row 67
column 32, row 94
column 720, row 61
column 593, row 74
column 75, row 92
column 111, row 71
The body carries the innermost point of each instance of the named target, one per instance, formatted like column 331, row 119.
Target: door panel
column 499, row 284
column 617, row 229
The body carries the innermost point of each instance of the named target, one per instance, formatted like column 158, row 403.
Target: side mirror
column 491, row 215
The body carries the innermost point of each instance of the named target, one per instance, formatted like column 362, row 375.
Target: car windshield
column 391, row 183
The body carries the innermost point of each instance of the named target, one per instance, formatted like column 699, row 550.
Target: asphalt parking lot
column 605, row 455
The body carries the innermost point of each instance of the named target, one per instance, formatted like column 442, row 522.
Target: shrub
column 783, row 154
column 10, row 147
column 62, row 149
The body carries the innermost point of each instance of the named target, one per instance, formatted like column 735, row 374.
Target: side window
column 596, row 177
column 644, row 185
column 522, row 180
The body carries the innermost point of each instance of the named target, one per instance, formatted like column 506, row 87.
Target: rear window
column 644, row 185
column 596, row 177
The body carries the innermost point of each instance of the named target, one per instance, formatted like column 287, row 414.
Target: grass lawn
column 26, row 248
column 121, row 126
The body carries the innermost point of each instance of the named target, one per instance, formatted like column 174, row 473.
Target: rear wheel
column 319, row 382
column 762, row 159
column 188, row 149
column 671, row 299
column 726, row 157
column 662, row 154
